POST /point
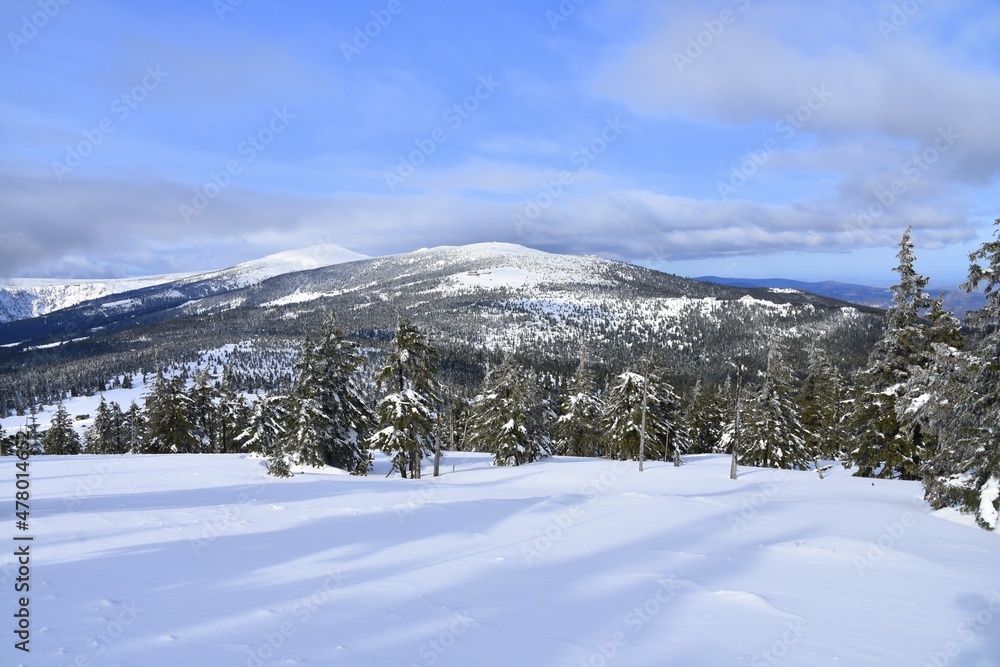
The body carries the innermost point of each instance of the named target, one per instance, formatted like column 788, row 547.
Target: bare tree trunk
column 437, row 449
column 642, row 428
column 736, row 430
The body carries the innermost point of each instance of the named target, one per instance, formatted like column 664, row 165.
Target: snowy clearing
column 204, row 560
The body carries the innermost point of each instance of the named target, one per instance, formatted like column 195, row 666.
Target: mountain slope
column 23, row 298
column 27, row 298
column 477, row 301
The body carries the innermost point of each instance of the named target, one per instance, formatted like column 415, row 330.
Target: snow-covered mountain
column 26, row 297
column 21, row 298
column 487, row 298
column 289, row 261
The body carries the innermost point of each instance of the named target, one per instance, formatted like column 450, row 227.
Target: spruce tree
column 329, row 417
column 502, row 421
column 103, row 436
column 936, row 385
column 772, row 435
column 168, row 429
column 203, row 412
column 578, row 429
column 32, row 437
column 406, row 415
column 231, row 415
column 820, row 407
column 967, row 469
column 61, row 438
column 265, row 427
column 133, row 430
column 541, row 392
column 883, row 446
column 6, row 443
column 671, row 436
column 623, row 416
column 705, row 416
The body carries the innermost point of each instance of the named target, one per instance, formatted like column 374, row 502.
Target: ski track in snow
column 204, row 560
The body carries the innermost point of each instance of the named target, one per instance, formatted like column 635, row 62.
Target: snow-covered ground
column 203, row 560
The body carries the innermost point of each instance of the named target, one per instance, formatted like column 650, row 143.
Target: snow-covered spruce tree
column 883, row 447
column 6, row 443
column 231, row 415
column 133, row 429
column 167, row 427
column 265, row 426
column 578, row 429
column 820, row 406
column 105, row 435
column 202, row 399
column 31, row 437
column 328, row 416
column 673, row 436
column 406, row 416
column 622, row 420
column 264, row 433
column 705, row 416
column 772, row 435
column 969, row 471
column 502, row 422
column 937, row 384
column 307, row 426
column 541, row 393
column 61, row 438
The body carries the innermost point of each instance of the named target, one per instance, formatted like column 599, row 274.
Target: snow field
column 205, row 560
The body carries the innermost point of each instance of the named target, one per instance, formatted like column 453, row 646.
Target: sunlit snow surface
column 203, row 560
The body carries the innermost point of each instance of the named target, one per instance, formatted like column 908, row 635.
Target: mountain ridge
column 477, row 299
column 24, row 298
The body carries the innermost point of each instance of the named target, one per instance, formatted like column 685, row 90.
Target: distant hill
column 957, row 301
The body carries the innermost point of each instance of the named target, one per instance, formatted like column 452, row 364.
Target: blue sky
column 737, row 137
